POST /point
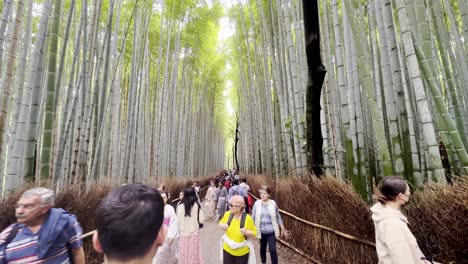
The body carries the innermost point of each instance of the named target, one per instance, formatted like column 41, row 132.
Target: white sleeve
column 173, row 228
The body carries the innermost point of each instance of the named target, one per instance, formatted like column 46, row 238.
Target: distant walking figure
column 221, row 199
column 190, row 217
column 210, row 200
column 394, row 241
column 270, row 224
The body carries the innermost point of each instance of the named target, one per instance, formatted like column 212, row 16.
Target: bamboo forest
column 319, row 100
column 140, row 90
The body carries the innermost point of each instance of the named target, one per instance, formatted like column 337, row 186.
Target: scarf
column 272, row 211
column 56, row 222
column 236, row 245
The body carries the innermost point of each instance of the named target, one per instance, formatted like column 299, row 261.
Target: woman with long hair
column 268, row 221
column 394, row 241
column 190, row 216
column 167, row 252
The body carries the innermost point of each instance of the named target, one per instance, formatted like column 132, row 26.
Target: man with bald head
column 42, row 234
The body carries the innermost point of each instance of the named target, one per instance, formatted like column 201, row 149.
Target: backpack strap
column 12, row 235
column 230, row 218
column 242, row 223
column 198, row 214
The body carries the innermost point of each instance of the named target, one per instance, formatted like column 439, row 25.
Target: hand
column 223, row 226
column 285, row 233
column 244, row 231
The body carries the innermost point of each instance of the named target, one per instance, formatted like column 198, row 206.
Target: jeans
column 271, row 240
column 230, row 259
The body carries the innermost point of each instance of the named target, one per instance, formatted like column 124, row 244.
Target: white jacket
column 394, row 241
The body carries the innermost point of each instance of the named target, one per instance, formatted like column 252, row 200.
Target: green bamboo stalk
column 427, row 124
column 442, row 111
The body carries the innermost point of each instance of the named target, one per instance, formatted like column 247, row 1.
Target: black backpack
column 242, row 222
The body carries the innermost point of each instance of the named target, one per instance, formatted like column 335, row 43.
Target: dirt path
column 211, row 233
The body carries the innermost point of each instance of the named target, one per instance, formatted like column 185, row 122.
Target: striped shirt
column 24, row 247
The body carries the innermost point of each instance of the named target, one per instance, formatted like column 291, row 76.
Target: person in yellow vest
column 237, row 246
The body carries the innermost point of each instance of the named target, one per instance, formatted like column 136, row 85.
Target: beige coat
column 188, row 225
column 394, row 241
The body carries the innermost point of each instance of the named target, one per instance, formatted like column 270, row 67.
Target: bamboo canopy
column 137, row 91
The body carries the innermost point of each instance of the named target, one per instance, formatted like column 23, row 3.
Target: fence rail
column 326, row 228
column 300, row 252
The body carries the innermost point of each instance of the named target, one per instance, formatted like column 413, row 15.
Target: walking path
column 211, row 233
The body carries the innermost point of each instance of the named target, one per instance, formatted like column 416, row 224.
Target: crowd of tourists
column 136, row 224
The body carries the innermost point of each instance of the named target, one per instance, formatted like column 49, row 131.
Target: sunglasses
column 233, row 206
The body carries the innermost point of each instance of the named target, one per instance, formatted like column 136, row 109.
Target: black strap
column 12, row 235
column 230, row 219
column 198, row 214
column 242, row 221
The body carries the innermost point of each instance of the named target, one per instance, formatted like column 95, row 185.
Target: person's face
column 220, row 184
column 235, row 207
column 30, row 209
column 212, row 183
column 164, row 196
column 181, row 195
column 405, row 197
column 264, row 196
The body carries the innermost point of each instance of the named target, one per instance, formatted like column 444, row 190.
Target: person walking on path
column 235, row 190
column 167, row 252
column 221, row 199
column 268, row 221
column 190, row 218
column 42, row 234
column 210, row 200
column 245, row 193
column 395, row 243
column 237, row 247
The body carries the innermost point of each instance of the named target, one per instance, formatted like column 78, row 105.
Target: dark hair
column 243, row 180
column 128, row 221
column 264, row 188
column 190, row 198
column 235, row 182
column 390, row 187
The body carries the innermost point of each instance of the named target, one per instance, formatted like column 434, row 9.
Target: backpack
column 242, row 221
column 14, row 230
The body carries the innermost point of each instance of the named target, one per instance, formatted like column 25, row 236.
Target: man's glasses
column 233, row 206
